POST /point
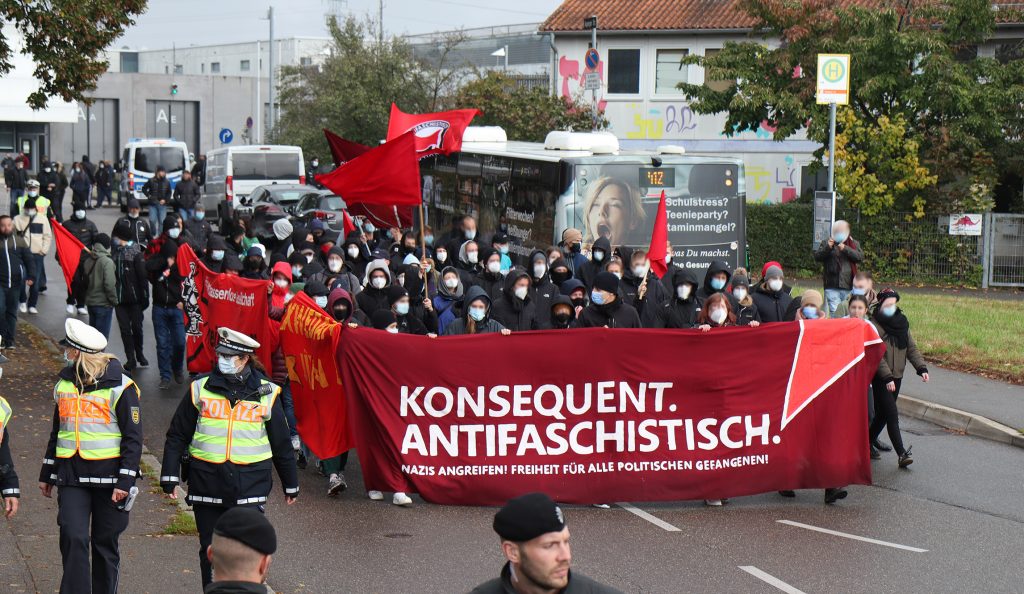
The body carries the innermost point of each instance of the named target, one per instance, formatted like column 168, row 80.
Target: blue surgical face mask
column 597, row 297
column 217, row 255
column 173, row 232
column 429, row 239
column 68, row 360
column 369, row 228
column 226, row 365
column 402, row 308
column 858, row 291
column 598, row 255
column 296, row 271
column 477, row 313
column 199, row 215
column 810, row 312
column 840, row 237
column 503, row 249
column 717, row 284
column 889, row 311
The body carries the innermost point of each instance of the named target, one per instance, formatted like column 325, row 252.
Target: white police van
column 141, row 158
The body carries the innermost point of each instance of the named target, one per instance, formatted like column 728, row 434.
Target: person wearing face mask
column 374, row 295
column 135, row 227
column 561, row 314
column 542, row 290
column 186, row 195
column 900, row 348
column 312, row 171
column 600, row 254
column 476, row 317
column 771, row 296
column 810, row 307
column 81, row 187
column 448, row 301
column 158, row 190
column 747, row 313
column 318, row 292
column 500, row 244
column 615, row 267
column 254, row 267
column 239, row 406
column 577, row 294
column 715, row 281
column 86, row 232
column 839, row 254
column 16, row 180
column 407, row 321
column 642, row 289
column 216, row 249
column 280, row 282
column 606, row 308
column 466, row 232
column 104, row 183
column 337, row 273
column 49, row 182
column 42, row 202
column 132, row 298
column 168, row 323
column 716, row 312
column 468, row 264
column 572, row 250
column 92, row 457
column 197, row 230
column 32, row 232
column 863, row 286
column 357, row 254
column 171, row 232
column 515, row 308
column 683, row 309
column 490, row 277
column 559, row 272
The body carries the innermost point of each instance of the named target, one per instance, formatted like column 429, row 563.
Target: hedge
column 897, row 248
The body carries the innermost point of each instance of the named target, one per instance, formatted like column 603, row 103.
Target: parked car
column 323, row 205
column 271, row 202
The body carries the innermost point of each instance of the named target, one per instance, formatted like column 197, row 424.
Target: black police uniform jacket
column 119, row 473
column 228, row 482
column 578, row 584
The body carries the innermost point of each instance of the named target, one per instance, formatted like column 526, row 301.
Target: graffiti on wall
column 772, row 184
column 572, row 81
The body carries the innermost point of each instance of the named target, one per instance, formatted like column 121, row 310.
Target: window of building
column 624, row 71
column 202, row 68
column 129, row 62
column 214, row 67
column 244, row 65
column 669, row 72
column 715, row 85
column 179, row 69
column 305, row 61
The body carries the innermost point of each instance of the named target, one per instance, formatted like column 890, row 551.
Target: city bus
column 534, row 191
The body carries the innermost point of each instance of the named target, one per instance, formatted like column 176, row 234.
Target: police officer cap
column 83, row 337
column 235, row 343
column 249, row 527
column 32, row 183
column 527, row 517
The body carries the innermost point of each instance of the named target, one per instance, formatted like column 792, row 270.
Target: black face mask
column 340, row 314
column 407, row 249
column 562, row 319
column 580, row 302
column 575, row 248
column 559, row 277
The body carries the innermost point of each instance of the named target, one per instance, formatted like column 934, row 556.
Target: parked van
column 232, row 173
column 141, row 158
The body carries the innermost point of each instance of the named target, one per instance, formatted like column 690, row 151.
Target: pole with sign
column 833, row 88
column 592, row 56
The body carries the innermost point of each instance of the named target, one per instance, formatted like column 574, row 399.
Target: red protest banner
column 69, row 251
column 213, row 301
column 309, row 339
column 612, row 424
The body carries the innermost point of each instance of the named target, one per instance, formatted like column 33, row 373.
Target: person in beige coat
column 32, row 231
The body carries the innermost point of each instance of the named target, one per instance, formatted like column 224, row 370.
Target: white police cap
column 83, row 337
column 235, row 343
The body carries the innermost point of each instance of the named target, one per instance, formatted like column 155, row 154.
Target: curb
column 151, row 460
column 958, row 420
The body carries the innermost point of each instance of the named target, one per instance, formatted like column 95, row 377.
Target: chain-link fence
column 1004, row 250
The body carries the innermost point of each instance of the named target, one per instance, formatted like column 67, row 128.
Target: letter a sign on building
column 833, row 79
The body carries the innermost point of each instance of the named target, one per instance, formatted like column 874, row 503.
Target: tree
column 64, row 38
column 524, row 113
column 914, row 64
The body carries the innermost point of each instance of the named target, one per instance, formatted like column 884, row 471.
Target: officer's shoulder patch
column 135, row 415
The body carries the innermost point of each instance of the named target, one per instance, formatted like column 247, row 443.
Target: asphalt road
column 953, row 522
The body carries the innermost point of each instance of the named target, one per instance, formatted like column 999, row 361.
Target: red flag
column 658, row 250
column 437, row 133
column 388, row 175
column 69, row 251
column 347, row 225
column 343, row 150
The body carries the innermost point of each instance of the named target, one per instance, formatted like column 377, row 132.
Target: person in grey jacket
column 101, row 294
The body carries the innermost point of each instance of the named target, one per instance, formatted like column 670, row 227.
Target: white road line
column 853, row 536
column 770, row 579
column 652, row 519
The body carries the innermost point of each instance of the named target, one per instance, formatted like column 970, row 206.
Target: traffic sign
column 592, row 59
column 226, row 136
column 591, row 81
column 833, row 79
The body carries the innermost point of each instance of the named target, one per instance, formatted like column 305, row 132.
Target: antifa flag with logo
column 309, row 340
column 618, row 424
column 212, row 301
column 69, row 251
column 437, row 133
column 383, row 216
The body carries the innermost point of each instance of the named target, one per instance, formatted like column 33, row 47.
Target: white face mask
column 683, row 291
column 539, row 270
column 321, row 301
column 173, row 233
column 379, row 282
column 282, row 283
column 775, row 284
column 717, row 315
column 79, row 214
column 471, row 257
column 441, row 256
column 353, row 252
column 639, row 271
column 494, row 267
column 598, row 255
column 30, row 212
column 133, row 215
column 334, row 265
column 739, row 294
column 402, row 308
column 471, row 235
column 392, row 330
column 521, row 292
column 451, row 283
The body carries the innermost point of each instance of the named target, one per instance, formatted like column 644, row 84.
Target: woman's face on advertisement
column 609, row 215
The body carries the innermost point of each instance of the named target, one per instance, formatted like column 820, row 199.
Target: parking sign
column 833, row 79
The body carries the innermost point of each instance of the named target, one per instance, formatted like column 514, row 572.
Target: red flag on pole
column 658, row 250
column 437, row 133
column 347, row 225
column 387, row 175
column 343, row 150
column 69, row 251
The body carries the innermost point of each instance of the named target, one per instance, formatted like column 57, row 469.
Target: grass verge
column 182, row 524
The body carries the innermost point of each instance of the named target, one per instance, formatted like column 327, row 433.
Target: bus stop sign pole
column 832, row 156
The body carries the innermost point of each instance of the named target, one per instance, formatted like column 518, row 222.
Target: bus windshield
column 265, row 165
column 149, row 158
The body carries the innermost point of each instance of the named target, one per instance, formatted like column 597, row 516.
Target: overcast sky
column 202, row 22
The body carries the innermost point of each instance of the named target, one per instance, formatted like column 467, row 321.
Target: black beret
column 527, row 517
column 249, row 527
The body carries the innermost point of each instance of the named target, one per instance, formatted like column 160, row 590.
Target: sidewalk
column 29, row 551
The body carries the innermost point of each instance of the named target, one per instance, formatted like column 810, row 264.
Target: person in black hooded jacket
column 715, row 281
column 515, row 308
column 655, row 295
column 490, row 277
column 216, row 248
column 600, row 253
column 374, row 295
column 771, row 296
column 542, row 290
column 561, row 316
column 476, row 316
column 405, row 319
column 357, row 253
column 683, row 309
column 606, row 308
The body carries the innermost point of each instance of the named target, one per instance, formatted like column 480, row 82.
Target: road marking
column 652, row 519
column 853, row 536
column 770, row 579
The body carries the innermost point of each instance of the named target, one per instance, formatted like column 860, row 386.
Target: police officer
column 42, row 202
column 92, row 458
column 230, row 424
column 9, row 488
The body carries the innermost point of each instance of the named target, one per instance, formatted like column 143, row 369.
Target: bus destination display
column 657, row 177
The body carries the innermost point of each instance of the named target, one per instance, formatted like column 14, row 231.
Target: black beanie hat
column 606, row 281
column 102, row 239
column 527, row 517
column 382, row 318
column 396, row 292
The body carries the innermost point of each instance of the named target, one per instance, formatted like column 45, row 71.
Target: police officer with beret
column 535, row 540
column 93, row 459
column 243, row 542
column 10, row 490
column 230, row 425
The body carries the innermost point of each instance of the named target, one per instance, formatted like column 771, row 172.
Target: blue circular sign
column 226, row 136
column 593, row 58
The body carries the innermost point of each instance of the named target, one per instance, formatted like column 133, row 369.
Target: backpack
column 80, row 280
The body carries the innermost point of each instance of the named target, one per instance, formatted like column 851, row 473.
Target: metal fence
column 1003, row 250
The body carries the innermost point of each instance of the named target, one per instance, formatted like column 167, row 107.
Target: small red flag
column 343, row 151
column 437, row 133
column 69, row 251
column 347, row 225
column 388, row 174
column 658, row 250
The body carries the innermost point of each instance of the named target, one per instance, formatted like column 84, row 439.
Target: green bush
column 781, row 232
